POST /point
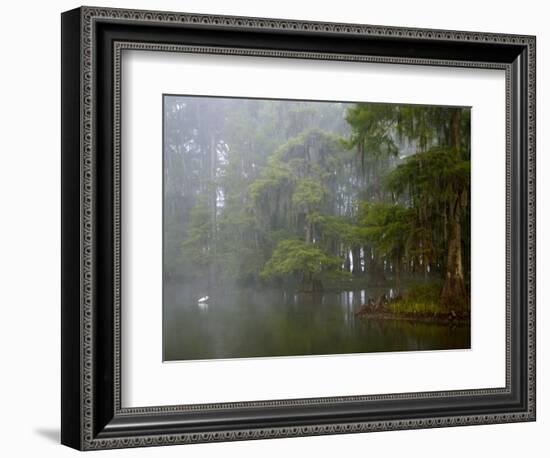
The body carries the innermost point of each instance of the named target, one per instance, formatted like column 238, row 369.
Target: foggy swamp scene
column 312, row 228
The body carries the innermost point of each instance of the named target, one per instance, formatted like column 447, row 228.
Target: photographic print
column 297, row 227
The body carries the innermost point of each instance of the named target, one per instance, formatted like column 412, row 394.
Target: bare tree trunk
column 455, row 128
column 347, row 260
column 213, row 208
column 356, row 270
column 454, row 294
column 375, row 270
column 397, row 268
column 214, row 190
column 307, row 230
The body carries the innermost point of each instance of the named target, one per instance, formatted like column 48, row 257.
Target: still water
column 242, row 323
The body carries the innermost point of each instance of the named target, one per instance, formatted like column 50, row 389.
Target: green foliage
column 237, row 251
column 431, row 126
column 435, row 182
column 387, row 227
column 308, row 194
column 197, row 243
column 174, row 261
column 372, row 126
column 281, row 189
column 277, row 174
column 441, row 169
column 293, row 186
column 294, row 257
column 373, row 137
column 421, row 298
column 339, row 228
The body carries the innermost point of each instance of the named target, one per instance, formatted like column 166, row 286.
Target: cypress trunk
column 454, row 295
column 356, row 253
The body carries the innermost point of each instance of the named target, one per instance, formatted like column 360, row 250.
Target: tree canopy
column 265, row 192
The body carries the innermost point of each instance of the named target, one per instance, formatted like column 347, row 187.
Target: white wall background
column 30, row 229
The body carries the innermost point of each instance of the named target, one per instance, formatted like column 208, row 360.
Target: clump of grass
column 421, row 298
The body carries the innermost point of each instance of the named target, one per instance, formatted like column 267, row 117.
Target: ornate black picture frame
column 92, row 42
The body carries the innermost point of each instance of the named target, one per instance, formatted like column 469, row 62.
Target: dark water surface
column 241, row 323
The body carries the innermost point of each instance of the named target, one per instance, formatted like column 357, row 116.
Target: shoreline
column 441, row 318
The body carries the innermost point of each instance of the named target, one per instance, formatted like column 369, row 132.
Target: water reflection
column 203, row 306
column 243, row 323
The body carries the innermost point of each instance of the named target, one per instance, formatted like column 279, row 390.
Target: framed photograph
column 277, row 228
